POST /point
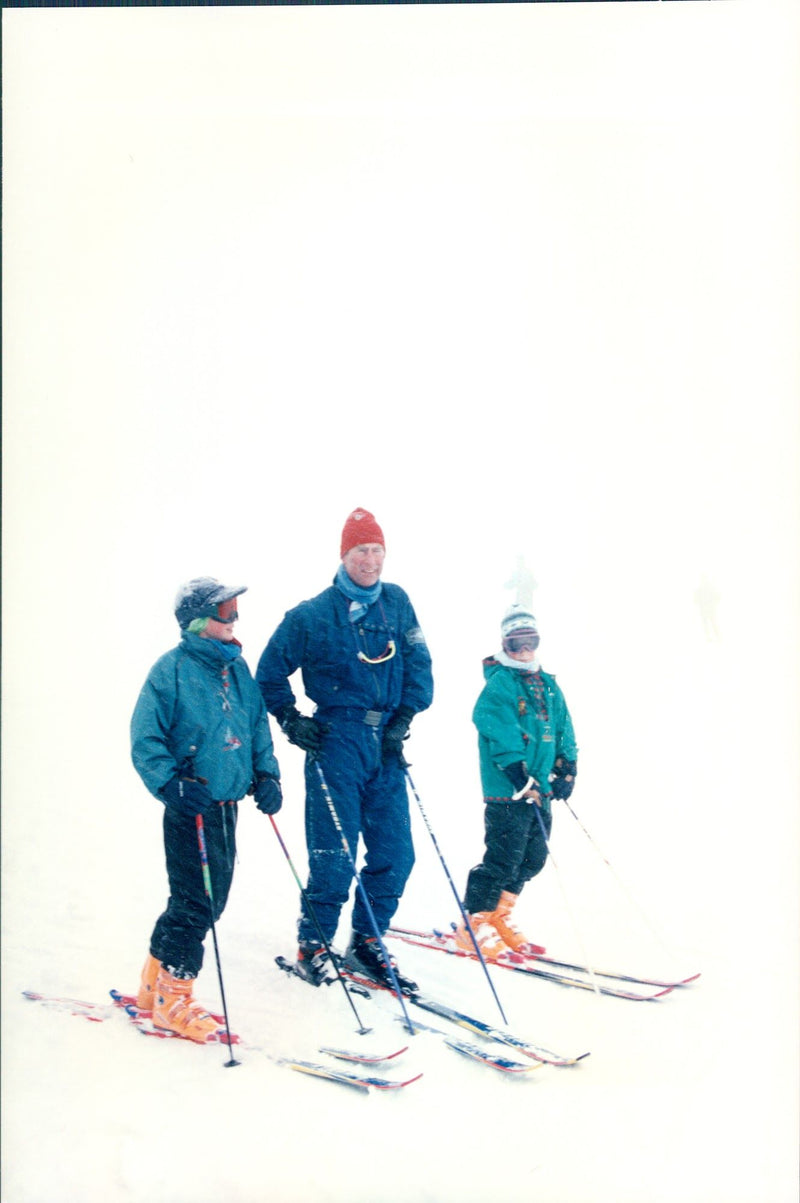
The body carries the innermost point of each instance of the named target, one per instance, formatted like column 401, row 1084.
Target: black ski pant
column 516, row 850
column 177, row 939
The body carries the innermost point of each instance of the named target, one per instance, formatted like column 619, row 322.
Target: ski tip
column 327, row 1075
column 494, row 1060
column 344, row 1054
column 385, row 1085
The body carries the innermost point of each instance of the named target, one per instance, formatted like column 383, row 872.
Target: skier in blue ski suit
column 365, row 664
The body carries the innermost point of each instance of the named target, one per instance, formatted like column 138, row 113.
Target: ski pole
column 367, row 904
column 362, row 1031
column 467, row 925
column 201, row 840
column 592, row 975
column 656, row 936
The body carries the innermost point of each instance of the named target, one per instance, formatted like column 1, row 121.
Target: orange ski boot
column 147, row 985
column 509, row 932
column 487, row 937
column 175, row 1010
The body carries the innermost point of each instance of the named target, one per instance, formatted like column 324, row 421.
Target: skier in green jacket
column 528, row 756
column 200, row 741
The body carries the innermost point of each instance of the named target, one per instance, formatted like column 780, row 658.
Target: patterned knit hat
column 359, row 528
column 518, row 620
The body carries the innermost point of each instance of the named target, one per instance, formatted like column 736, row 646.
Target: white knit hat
column 516, row 619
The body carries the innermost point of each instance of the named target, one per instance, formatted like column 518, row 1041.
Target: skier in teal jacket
column 528, row 756
column 200, row 741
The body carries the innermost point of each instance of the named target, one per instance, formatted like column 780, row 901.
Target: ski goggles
column 521, row 641
column 226, row 611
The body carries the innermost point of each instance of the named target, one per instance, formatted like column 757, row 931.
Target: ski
column 435, row 936
column 460, row 1019
column 580, row 978
column 142, row 1021
column 99, row 1012
column 364, row 985
column 347, row 1079
column 344, row 1054
column 486, row 1058
column 143, row 1018
column 94, row 1011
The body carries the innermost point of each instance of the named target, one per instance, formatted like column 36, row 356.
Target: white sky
column 523, row 280
column 520, row 279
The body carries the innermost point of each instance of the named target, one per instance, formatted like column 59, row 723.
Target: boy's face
column 521, row 646
column 222, row 629
column 525, row 655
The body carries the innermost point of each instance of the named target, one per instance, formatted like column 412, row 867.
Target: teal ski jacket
column 201, row 710
column 520, row 716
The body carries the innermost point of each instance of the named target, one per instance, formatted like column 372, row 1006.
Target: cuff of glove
column 529, row 784
column 286, row 714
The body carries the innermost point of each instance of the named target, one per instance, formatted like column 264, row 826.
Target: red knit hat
column 359, row 528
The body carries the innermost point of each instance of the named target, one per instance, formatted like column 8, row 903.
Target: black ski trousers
column 516, row 850
column 177, row 939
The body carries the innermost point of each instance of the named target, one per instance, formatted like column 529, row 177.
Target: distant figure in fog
column 707, row 599
column 523, row 582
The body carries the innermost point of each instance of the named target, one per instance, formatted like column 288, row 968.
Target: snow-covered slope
column 688, row 1098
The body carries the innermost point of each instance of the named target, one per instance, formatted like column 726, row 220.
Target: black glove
column 395, row 731
column 305, row 732
column 268, row 795
column 187, row 795
column 562, row 779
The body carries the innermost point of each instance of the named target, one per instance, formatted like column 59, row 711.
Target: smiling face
column 364, row 564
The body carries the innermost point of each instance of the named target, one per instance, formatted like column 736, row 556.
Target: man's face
column 364, row 564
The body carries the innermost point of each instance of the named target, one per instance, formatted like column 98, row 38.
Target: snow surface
column 689, row 1098
column 521, row 279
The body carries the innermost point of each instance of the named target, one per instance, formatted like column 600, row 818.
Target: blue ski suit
column 354, row 700
column 198, row 710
